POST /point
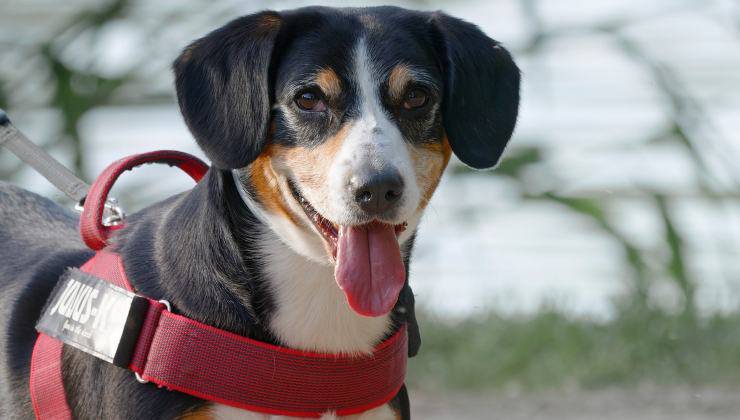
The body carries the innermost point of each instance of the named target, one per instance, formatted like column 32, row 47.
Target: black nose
column 377, row 192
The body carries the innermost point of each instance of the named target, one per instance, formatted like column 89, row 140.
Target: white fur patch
column 311, row 311
column 305, row 242
column 373, row 141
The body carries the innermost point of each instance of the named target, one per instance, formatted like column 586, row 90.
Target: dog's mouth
column 329, row 230
column 368, row 265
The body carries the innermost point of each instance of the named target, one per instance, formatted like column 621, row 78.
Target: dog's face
column 340, row 122
column 356, row 130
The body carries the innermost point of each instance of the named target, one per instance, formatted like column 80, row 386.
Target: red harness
column 182, row 354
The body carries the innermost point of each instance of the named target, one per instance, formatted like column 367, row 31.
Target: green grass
column 551, row 350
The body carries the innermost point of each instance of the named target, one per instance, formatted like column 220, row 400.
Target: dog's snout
column 377, row 192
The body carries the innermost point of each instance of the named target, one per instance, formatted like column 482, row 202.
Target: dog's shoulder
column 38, row 240
column 29, row 217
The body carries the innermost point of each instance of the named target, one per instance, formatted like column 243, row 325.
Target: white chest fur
column 311, row 312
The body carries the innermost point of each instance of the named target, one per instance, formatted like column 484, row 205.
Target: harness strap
column 216, row 365
column 67, row 182
column 46, row 383
column 93, row 232
column 182, row 354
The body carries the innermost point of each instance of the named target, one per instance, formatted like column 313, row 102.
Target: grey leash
column 12, row 139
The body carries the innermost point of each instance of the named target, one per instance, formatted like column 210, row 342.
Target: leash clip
column 138, row 377
column 113, row 214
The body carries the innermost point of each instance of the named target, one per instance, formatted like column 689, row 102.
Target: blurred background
column 594, row 274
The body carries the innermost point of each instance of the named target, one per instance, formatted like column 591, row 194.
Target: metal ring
column 140, row 379
column 166, row 304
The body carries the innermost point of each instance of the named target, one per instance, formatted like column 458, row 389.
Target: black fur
column 481, row 91
column 223, row 88
column 228, row 81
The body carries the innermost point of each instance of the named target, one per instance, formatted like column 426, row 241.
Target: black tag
column 95, row 316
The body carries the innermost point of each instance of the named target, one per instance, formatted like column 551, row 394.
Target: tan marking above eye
column 329, row 82
column 398, row 79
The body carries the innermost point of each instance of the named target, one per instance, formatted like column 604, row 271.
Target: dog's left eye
column 310, row 101
column 415, row 98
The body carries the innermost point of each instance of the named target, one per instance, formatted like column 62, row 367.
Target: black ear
column 223, row 88
column 481, row 95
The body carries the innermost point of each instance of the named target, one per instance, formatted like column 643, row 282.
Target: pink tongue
column 369, row 267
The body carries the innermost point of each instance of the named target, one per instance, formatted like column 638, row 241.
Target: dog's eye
column 310, row 101
column 415, row 98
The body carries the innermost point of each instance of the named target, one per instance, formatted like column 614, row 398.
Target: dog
column 328, row 131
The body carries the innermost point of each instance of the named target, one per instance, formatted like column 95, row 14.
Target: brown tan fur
column 398, row 79
column 430, row 160
column 269, row 22
column 309, row 166
column 203, row 413
column 210, row 412
column 266, row 185
column 329, row 82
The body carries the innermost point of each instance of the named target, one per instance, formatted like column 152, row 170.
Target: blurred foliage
column 645, row 341
column 685, row 118
column 551, row 350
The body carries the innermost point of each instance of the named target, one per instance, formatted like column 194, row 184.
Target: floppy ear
column 481, row 95
column 223, row 88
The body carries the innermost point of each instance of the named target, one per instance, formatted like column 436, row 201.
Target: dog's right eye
column 310, row 101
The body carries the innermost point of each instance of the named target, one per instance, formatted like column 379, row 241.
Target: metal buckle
column 113, row 214
column 138, row 377
column 166, row 303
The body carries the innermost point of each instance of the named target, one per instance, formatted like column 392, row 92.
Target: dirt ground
column 623, row 404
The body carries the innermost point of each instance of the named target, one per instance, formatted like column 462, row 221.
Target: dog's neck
column 310, row 311
column 220, row 264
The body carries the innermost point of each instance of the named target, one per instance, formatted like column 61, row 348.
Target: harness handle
column 93, row 232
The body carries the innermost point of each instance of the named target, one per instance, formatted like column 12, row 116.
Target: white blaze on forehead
column 373, row 141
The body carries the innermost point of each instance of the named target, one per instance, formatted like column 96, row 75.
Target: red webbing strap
column 185, row 355
column 216, row 365
column 47, row 387
column 46, row 383
column 93, row 232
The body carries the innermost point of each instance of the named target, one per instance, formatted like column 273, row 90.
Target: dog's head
column 340, row 122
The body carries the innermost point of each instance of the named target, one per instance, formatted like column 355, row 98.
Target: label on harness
column 94, row 316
